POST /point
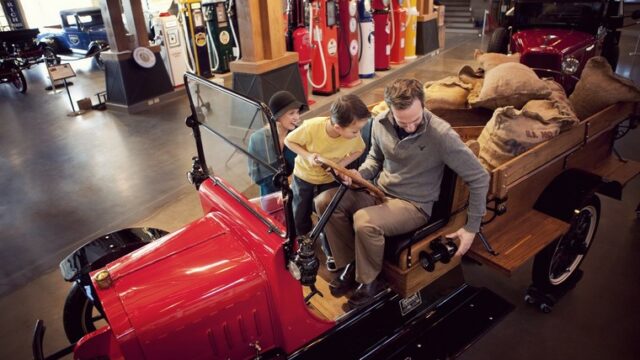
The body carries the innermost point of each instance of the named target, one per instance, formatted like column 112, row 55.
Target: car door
column 72, row 32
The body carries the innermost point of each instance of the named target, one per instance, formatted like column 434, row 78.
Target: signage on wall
column 13, row 15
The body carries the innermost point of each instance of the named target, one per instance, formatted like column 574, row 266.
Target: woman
column 286, row 110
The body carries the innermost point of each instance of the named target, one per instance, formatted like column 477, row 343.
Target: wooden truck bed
column 521, row 232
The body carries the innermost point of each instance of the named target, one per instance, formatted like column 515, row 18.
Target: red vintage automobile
column 560, row 36
column 238, row 283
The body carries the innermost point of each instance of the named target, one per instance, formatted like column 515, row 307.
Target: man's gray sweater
column 412, row 168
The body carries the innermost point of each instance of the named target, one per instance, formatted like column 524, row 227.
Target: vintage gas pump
column 220, row 34
column 195, row 31
column 298, row 40
column 349, row 46
column 410, row 36
column 324, row 37
column 382, row 29
column 398, row 30
column 232, row 16
column 366, row 60
column 172, row 49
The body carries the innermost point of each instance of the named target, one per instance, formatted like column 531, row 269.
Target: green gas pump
column 221, row 35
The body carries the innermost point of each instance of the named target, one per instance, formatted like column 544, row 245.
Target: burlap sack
column 379, row 108
column 475, row 78
column 510, row 132
column 447, row 93
column 556, row 109
column 489, row 61
column 600, row 87
column 510, row 84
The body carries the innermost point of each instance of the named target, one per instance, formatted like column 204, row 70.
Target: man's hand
column 466, row 239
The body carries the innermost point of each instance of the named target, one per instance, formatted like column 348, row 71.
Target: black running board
column 448, row 330
column 438, row 322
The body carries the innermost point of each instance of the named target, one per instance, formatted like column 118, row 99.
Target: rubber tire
column 98, row 60
column 22, row 87
column 542, row 261
column 612, row 54
column 77, row 307
column 50, row 56
column 499, row 41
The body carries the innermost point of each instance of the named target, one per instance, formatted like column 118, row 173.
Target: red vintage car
column 239, row 283
column 559, row 36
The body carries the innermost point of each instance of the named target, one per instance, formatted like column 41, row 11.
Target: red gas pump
column 298, row 40
column 381, row 32
column 349, row 45
column 398, row 31
column 324, row 38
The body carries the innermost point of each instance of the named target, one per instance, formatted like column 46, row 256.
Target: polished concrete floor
column 65, row 180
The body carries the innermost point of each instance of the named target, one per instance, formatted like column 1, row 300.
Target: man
column 409, row 148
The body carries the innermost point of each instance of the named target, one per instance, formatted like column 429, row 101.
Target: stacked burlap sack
column 527, row 110
column 456, row 92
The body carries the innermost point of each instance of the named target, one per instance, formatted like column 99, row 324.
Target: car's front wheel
column 499, row 41
column 50, row 57
column 556, row 264
column 80, row 315
column 611, row 52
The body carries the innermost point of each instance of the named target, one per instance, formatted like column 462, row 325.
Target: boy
column 337, row 138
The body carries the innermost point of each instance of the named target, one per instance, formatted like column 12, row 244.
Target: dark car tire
column 50, row 56
column 19, row 82
column 569, row 250
column 499, row 41
column 79, row 314
column 98, row 60
column 612, row 54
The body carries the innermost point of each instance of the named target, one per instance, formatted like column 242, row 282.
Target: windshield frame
column 189, row 80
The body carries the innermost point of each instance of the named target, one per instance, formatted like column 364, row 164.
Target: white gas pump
column 172, row 50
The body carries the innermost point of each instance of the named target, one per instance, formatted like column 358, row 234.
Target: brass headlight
column 103, row 279
column 570, row 65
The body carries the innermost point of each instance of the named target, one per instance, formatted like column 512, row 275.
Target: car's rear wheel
column 98, row 60
column 499, row 41
column 80, row 316
column 556, row 264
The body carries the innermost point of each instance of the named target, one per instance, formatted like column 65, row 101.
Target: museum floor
column 65, row 180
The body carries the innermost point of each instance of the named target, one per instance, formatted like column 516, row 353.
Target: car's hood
column 190, row 287
column 561, row 41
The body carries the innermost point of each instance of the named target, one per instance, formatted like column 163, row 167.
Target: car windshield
column 581, row 15
column 238, row 145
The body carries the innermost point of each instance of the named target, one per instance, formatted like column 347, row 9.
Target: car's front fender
column 104, row 249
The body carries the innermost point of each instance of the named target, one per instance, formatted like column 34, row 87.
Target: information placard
column 61, row 71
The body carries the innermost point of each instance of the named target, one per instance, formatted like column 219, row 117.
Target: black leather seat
column 394, row 245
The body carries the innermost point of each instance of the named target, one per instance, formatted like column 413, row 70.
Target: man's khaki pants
column 357, row 228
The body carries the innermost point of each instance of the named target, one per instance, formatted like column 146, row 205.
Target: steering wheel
column 356, row 179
